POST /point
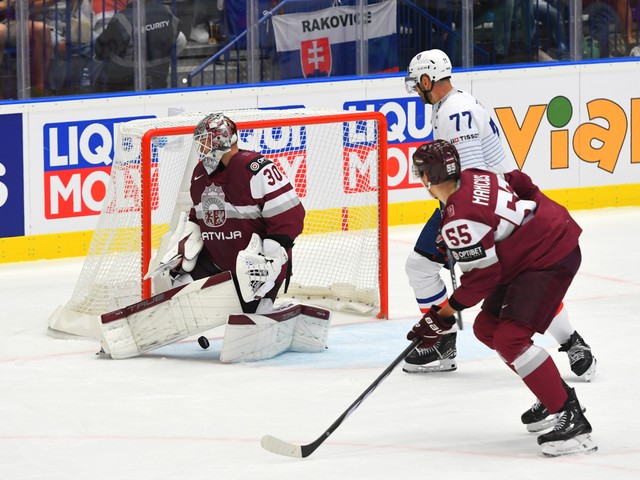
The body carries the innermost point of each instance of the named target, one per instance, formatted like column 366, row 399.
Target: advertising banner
column 409, row 126
column 558, row 126
column 12, row 205
column 70, row 167
column 77, row 160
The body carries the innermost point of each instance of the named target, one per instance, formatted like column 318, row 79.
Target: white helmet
column 433, row 63
column 214, row 136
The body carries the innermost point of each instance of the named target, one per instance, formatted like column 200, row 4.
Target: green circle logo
column 559, row 112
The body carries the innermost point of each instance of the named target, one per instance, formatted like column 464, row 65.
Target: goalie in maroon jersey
column 224, row 261
column 245, row 218
column 518, row 251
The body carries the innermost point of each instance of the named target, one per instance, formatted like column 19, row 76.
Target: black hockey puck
column 203, row 342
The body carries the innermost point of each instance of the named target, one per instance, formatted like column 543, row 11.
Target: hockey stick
column 454, row 285
column 275, row 445
column 454, row 280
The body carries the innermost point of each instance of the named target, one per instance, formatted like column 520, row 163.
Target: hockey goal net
column 336, row 161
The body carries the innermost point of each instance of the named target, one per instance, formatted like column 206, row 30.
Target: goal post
column 336, row 161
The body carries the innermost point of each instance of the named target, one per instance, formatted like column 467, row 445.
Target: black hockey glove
column 431, row 327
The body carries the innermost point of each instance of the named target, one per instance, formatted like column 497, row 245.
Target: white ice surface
column 178, row 413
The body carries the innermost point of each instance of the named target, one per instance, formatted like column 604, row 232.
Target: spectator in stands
column 70, row 35
column 607, row 16
column 78, row 32
column 6, row 85
column 103, row 10
column 505, row 12
column 40, row 40
column 549, row 13
column 205, row 26
column 4, row 37
column 439, row 25
column 114, row 47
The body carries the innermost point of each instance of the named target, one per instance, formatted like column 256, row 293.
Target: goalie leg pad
column 312, row 329
column 169, row 316
column 251, row 337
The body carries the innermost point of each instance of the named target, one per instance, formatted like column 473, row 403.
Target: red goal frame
column 146, row 207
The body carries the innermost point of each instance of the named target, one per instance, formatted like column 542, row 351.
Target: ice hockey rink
column 178, row 413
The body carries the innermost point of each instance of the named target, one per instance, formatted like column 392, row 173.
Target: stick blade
column 280, row 447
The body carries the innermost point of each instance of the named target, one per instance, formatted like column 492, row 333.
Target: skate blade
column 582, row 444
column 440, row 366
column 546, row 424
column 591, row 371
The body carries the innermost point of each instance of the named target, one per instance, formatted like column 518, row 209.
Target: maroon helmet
column 439, row 160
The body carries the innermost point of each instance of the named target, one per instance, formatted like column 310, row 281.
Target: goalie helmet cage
column 336, row 161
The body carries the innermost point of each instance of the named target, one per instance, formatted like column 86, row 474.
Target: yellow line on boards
column 74, row 244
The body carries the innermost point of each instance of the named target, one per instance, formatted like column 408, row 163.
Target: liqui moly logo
column 77, row 166
column 360, row 162
column 409, row 126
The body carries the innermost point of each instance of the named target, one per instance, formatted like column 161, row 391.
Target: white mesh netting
column 333, row 164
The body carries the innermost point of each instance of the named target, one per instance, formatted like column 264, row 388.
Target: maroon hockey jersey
column 499, row 227
column 251, row 195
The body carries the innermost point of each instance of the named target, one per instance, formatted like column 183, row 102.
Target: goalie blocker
column 205, row 304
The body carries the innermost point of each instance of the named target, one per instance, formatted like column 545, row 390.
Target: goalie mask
column 214, row 136
column 439, row 160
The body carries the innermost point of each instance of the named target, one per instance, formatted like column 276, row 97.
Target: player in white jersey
column 461, row 120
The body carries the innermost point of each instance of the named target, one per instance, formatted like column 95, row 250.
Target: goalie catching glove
column 431, row 327
column 185, row 245
column 258, row 267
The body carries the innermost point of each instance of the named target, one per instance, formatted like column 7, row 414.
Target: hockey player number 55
column 458, row 235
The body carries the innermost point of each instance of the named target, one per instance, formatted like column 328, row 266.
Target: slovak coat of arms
column 315, row 57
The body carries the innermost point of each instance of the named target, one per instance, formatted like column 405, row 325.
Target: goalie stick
column 275, row 445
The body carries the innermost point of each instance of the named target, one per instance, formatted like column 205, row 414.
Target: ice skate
column 538, row 418
column 439, row 358
column 571, row 433
column 581, row 360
